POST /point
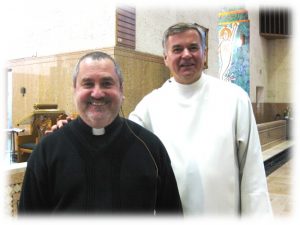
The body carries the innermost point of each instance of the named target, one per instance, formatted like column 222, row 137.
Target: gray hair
column 97, row 55
column 181, row 27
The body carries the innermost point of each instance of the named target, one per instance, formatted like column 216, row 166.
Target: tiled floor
column 280, row 184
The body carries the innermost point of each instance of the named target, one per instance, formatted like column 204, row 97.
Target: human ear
column 166, row 60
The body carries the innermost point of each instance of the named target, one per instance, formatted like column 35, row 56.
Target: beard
column 99, row 113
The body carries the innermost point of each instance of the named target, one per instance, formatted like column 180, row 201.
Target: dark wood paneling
column 126, row 43
column 124, row 30
column 126, row 36
column 130, row 28
column 125, row 27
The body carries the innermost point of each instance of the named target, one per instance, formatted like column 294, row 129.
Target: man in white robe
column 209, row 131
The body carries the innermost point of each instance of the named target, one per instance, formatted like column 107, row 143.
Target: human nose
column 186, row 53
column 97, row 92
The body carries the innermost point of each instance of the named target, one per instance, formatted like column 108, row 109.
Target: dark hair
column 97, row 55
column 181, row 27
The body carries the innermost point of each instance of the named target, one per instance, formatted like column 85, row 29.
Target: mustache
column 186, row 63
column 99, row 101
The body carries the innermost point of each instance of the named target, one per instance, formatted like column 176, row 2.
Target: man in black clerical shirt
column 99, row 162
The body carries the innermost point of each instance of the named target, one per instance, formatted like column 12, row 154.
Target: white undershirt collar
column 98, row 131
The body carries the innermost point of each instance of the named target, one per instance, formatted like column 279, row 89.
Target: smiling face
column 184, row 56
column 98, row 93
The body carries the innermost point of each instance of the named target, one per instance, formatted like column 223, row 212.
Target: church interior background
column 241, row 49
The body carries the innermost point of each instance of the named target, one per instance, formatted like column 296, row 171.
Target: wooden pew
column 274, row 143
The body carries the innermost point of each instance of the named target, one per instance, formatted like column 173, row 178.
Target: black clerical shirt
column 125, row 170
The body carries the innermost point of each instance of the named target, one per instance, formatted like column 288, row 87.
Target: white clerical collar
column 98, row 131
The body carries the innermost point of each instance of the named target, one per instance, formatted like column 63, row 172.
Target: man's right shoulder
column 56, row 134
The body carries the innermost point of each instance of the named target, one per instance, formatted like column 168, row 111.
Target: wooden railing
column 272, row 133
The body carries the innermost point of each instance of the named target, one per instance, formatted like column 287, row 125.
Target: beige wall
column 143, row 72
column 280, row 73
column 153, row 21
column 48, row 79
column 49, row 29
column 265, row 71
column 41, row 28
column 271, row 67
column 258, row 58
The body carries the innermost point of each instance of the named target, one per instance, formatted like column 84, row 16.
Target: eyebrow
column 192, row 44
column 176, row 46
column 107, row 77
column 103, row 79
column 86, row 79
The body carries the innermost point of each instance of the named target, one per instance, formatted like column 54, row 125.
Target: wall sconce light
column 23, row 91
